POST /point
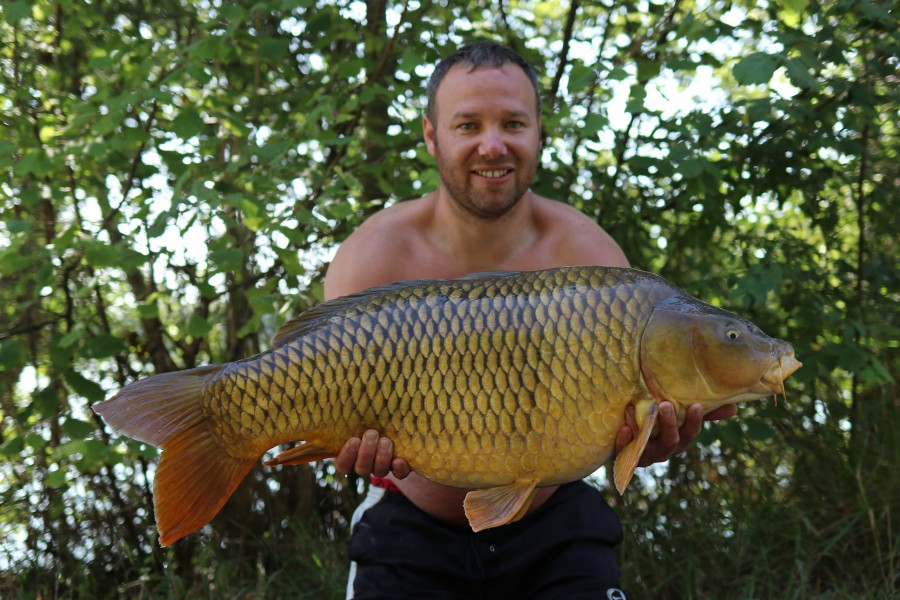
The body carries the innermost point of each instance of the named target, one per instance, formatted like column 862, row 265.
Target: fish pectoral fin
column 301, row 454
column 497, row 506
column 628, row 459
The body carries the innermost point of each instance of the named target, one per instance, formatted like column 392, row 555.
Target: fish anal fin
column 301, row 454
column 497, row 506
column 628, row 459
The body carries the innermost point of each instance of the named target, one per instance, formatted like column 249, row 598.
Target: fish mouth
column 773, row 379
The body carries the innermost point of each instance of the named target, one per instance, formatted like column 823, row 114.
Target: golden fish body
column 495, row 382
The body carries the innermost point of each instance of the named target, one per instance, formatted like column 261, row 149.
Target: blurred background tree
column 174, row 177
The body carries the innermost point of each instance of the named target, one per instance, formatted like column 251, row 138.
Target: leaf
column 45, row 403
column 12, row 447
column 799, row 74
column 85, row 388
column 229, row 259
column 17, row 225
column 16, row 11
column 580, row 78
column 188, row 123
column 758, row 430
column 756, row 69
column 77, row 429
column 13, row 355
column 149, row 310
column 197, row 326
column 73, row 336
column 56, row 478
column 102, row 346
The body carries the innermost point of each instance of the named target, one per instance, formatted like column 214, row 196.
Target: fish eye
column 733, row 334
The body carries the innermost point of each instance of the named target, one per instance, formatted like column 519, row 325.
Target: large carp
column 496, row 382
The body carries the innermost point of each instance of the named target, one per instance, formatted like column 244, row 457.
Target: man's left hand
column 671, row 439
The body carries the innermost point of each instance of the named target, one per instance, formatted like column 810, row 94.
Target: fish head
column 692, row 352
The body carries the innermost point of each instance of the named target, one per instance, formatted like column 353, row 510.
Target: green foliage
column 174, row 176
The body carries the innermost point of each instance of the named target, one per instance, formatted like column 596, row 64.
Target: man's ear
column 428, row 132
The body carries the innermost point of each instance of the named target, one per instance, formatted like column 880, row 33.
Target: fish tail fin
column 196, row 475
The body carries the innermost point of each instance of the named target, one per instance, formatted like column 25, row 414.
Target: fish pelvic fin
column 628, row 459
column 196, row 475
column 497, row 506
column 301, row 454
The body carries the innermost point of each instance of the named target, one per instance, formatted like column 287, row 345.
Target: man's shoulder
column 369, row 255
column 385, row 230
column 576, row 238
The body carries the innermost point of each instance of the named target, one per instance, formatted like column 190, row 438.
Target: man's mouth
column 493, row 173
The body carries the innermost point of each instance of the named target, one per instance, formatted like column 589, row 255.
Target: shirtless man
column 483, row 127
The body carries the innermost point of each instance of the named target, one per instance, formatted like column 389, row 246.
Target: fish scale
column 498, row 383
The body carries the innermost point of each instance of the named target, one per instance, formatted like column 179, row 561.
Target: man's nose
column 491, row 145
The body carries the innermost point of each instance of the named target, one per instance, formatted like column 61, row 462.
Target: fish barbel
column 497, row 382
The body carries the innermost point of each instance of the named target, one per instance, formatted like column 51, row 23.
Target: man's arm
column 370, row 454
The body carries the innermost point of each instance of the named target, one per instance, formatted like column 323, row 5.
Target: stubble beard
column 464, row 197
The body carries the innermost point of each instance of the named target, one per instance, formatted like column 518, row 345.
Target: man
column 411, row 538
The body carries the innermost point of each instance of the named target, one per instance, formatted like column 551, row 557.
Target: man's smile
column 493, row 173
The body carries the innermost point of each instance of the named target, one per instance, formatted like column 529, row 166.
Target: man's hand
column 370, row 455
column 671, row 440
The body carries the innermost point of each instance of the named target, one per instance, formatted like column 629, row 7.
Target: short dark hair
column 479, row 55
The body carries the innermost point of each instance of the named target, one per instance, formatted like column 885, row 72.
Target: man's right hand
column 370, row 455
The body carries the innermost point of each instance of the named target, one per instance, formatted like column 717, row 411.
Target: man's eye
column 466, row 126
column 515, row 124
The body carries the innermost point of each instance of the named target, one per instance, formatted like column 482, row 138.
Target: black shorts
column 565, row 550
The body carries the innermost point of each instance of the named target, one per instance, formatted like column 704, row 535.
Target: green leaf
column 46, row 402
column 273, row 48
column 12, row 447
column 68, row 449
column 197, row 326
column 33, row 162
column 99, row 255
column 580, row 78
column 759, row 431
column 188, row 123
column 73, row 336
column 756, row 69
column 16, row 11
column 85, row 388
column 800, row 75
column 149, row 310
column 56, row 478
column 228, row 259
column 77, row 429
column 17, row 225
column 35, row 441
column 102, row 346
column 13, row 355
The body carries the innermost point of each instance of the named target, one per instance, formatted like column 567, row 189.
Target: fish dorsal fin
column 313, row 318
column 499, row 505
column 628, row 459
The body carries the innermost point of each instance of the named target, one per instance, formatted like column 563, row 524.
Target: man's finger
column 669, row 435
column 384, row 454
column 346, row 458
column 400, row 468
column 723, row 412
column 365, row 460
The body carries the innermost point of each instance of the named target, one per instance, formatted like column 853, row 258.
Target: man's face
column 486, row 137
